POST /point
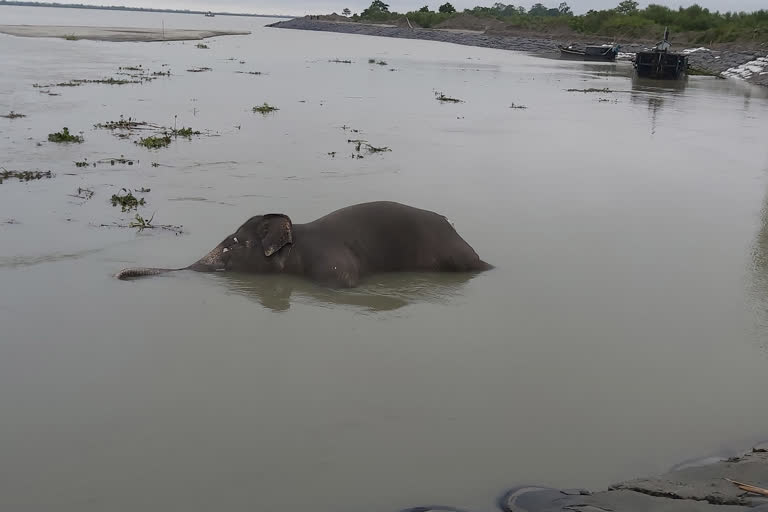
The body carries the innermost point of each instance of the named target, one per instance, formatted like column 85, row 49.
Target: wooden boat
column 660, row 63
column 591, row 52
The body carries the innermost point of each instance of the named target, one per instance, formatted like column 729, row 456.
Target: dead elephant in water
column 340, row 248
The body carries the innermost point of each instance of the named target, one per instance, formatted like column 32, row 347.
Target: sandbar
column 117, row 34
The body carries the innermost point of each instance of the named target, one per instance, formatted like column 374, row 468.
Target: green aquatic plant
column 23, row 175
column 266, row 108
column 127, row 201
column 184, row 132
column 64, row 136
column 154, row 142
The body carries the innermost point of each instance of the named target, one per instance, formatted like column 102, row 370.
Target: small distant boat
column 661, row 63
column 592, row 52
column 209, row 14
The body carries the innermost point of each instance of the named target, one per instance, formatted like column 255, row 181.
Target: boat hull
column 661, row 65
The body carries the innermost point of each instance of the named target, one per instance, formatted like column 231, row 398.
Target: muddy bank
column 750, row 65
column 711, row 484
column 116, row 34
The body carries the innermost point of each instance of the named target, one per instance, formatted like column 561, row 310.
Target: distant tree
column 346, row 12
column 564, row 10
column 627, row 7
column 424, row 9
column 376, row 7
column 538, row 9
column 446, row 8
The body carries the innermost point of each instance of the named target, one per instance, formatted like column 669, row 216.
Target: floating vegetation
column 141, row 224
column 127, row 201
column 202, row 46
column 339, row 61
column 155, row 164
column 83, row 193
column 442, row 98
column 126, row 124
column 514, row 105
column 71, row 37
column 184, row 132
column 84, row 163
column 154, row 142
column 363, row 144
column 144, row 190
column 120, row 160
column 161, row 73
column 13, row 115
column 353, row 130
column 131, row 68
column 199, row 70
column 249, row 72
column 591, row 89
column 65, row 136
column 23, row 175
column 379, row 62
column 241, row 62
column 332, row 154
column 265, row 109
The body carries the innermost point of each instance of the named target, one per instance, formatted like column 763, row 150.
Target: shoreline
column 748, row 65
column 115, row 34
column 704, row 485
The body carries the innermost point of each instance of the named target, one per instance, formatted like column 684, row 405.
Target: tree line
column 695, row 23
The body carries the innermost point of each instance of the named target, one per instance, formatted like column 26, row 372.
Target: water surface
column 623, row 330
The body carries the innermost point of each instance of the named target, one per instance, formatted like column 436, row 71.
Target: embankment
column 750, row 65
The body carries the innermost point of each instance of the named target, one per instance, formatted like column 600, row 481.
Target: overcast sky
column 301, row 7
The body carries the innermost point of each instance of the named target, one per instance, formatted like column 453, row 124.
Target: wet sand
column 116, row 34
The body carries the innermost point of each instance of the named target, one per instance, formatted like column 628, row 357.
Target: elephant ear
column 276, row 231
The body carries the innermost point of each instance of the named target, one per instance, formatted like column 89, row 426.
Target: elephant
column 341, row 248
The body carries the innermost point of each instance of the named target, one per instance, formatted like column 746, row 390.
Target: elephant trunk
column 211, row 262
column 132, row 273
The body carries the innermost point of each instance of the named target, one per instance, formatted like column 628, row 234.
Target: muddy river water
column 623, row 331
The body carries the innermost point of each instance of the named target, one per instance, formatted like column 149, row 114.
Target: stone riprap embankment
column 743, row 64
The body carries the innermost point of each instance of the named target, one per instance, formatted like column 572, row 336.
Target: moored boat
column 659, row 62
column 590, row 52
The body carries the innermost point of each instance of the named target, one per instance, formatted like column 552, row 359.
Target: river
column 624, row 328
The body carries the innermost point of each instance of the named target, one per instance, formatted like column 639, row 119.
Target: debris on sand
column 65, row 137
column 516, row 106
column 199, row 70
column 23, row 175
column 256, row 73
column 339, row 61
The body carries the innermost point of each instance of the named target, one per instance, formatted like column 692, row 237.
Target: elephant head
column 255, row 247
